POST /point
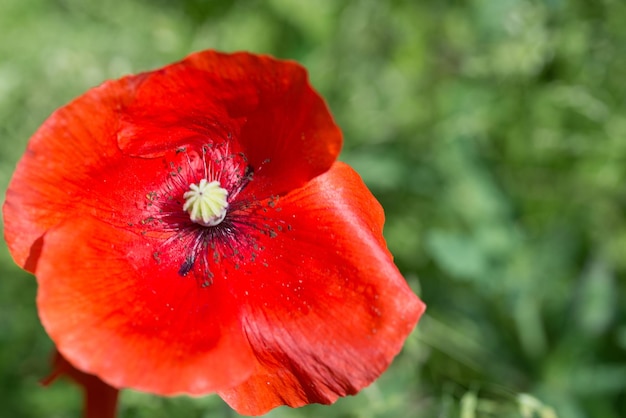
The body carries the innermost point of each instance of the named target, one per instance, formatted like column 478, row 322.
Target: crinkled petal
column 117, row 311
column 60, row 166
column 325, row 310
column 265, row 105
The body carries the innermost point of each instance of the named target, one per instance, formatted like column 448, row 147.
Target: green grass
column 492, row 131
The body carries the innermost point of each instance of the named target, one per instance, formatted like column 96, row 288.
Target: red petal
column 114, row 312
column 328, row 310
column 266, row 105
column 100, row 398
column 74, row 141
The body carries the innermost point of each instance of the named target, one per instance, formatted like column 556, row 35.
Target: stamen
column 206, row 202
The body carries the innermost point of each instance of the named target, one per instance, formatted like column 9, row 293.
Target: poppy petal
column 75, row 140
column 266, row 105
column 326, row 308
column 114, row 312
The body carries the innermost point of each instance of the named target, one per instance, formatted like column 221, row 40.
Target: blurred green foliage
column 494, row 134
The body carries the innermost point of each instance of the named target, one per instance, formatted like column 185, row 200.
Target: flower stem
column 100, row 399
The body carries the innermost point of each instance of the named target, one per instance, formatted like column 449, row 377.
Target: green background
column 492, row 131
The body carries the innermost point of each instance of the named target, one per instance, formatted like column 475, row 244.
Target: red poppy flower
column 191, row 232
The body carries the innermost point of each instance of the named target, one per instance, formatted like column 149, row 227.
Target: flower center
column 206, row 202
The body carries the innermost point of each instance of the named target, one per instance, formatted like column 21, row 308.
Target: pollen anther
column 206, row 202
